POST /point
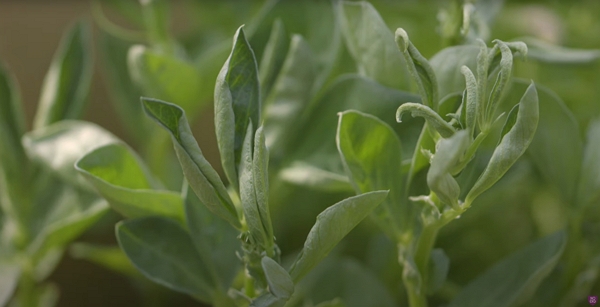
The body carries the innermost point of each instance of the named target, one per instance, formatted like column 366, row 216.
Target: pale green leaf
column 547, row 53
column 439, row 178
column 279, row 280
column 304, row 174
column 9, row 277
column 433, row 119
column 447, row 67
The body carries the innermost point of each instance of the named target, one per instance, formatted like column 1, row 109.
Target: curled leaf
column 435, row 120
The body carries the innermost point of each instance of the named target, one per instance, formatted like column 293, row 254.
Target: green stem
column 26, row 296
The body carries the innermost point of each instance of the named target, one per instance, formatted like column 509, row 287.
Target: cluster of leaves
column 285, row 160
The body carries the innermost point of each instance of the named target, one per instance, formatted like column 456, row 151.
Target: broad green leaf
column 60, row 145
column 203, row 179
column 110, row 257
column 9, row 277
column 439, row 265
column 548, row 53
column 215, row 240
column 67, row 83
column 304, row 174
column 372, row 156
column 237, row 102
column 290, row 96
column 371, row 44
column 419, row 69
column 433, row 119
column 120, row 176
column 316, row 143
column 279, row 280
column 273, row 56
column 167, row 78
column 557, row 148
column 164, row 252
column 439, row 178
column 332, row 225
column 512, row 145
column 589, row 183
column 447, row 67
column 124, row 92
column 513, row 281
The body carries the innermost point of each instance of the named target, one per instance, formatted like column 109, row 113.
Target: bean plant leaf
column 12, row 123
column 419, row 69
column 164, row 252
column 167, row 78
column 268, row 300
column 332, row 225
column 557, row 148
column 589, row 184
column 290, row 96
column 120, row 176
column 215, row 240
column 66, row 85
column 304, row 174
column 435, row 121
column 372, row 156
column 9, row 277
column 273, row 56
column 439, row 178
column 371, row 44
column 447, row 67
column 547, row 53
column 260, row 176
column 470, row 108
column 237, row 102
column 203, row 179
column 513, row 144
column 60, row 145
column 438, row 270
column 513, row 281
column 279, row 280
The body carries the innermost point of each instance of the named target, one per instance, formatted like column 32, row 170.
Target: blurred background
column 30, row 32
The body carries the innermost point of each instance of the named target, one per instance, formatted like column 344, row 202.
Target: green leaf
column 557, row 148
column 60, row 145
column 512, row 145
column 438, row 270
column 120, row 176
column 371, row 44
column 67, row 83
column 439, row 178
column 372, row 156
column 110, row 257
column 511, row 120
column 419, row 69
column 9, row 277
column 513, row 281
column 589, row 182
column 237, row 102
column 304, row 174
column 333, row 303
column 215, row 240
column 268, row 300
column 273, row 56
column 547, row 53
column 260, row 177
column 203, row 179
column 502, row 80
column 433, row 119
column 167, row 78
column 279, row 280
column 164, row 252
column 332, row 225
column 290, row 97
column 447, row 66
column 470, row 108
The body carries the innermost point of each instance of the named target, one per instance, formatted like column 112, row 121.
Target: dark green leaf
column 273, row 56
column 332, row 225
column 433, row 119
column 511, row 120
column 372, row 156
column 371, row 44
column 60, row 145
column 120, row 176
column 67, row 83
column 512, row 145
column 279, row 280
column 290, row 96
column 9, row 277
column 589, row 183
column 164, row 252
column 203, row 179
column 513, row 281
column 167, row 78
column 237, row 102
